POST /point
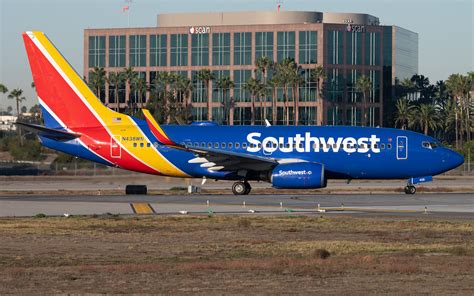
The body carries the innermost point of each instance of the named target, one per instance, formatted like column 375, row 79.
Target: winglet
column 156, row 130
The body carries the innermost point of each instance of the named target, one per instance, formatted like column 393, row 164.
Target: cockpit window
column 433, row 145
column 425, row 144
column 429, row 145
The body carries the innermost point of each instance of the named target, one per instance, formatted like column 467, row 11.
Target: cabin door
column 402, row 148
column 115, row 148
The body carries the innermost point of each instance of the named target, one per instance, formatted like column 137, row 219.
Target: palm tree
column 254, row 87
column 16, row 95
column 363, row 85
column 225, row 84
column 264, row 64
column 97, row 78
column 115, row 79
column 140, row 86
column 283, row 75
column 427, row 117
column 205, row 75
column 459, row 86
column 408, row 87
column 318, row 75
column 3, row 89
column 404, row 113
column 185, row 88
column 296, row 81
column 129, row 75
column 274, row 83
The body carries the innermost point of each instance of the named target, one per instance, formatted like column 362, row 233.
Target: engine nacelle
column 301, row 175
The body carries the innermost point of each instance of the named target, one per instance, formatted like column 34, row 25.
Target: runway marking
column 142, row 208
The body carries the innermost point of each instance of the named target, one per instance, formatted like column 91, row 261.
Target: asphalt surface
column 439, row 205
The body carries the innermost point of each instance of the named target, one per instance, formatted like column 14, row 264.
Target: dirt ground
column 236, row 255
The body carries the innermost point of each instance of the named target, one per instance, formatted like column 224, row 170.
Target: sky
column 445, row 28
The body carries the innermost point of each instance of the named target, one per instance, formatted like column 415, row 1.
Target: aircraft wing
column 51, row 133
column 216, row 159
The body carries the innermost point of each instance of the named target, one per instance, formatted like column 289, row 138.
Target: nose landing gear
column 241, row 188
column 410, row 189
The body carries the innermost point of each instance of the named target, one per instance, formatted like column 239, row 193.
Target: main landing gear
column 410, row 189
column 241, row 188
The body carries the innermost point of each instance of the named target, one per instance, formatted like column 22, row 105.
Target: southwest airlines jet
column 291, row 157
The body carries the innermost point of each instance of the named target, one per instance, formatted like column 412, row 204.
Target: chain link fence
column 81, row 168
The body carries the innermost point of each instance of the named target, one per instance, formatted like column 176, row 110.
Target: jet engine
column 301, row 175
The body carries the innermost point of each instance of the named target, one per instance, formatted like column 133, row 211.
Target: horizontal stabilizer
column 43, row 131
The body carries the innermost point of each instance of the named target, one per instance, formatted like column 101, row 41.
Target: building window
column 308, row 47
column 240, row 78
column 221, row 49
column 353, row 48
column 137, row 57
column 285, row 46
column 264, row 45
column 335, row 85
column 334, row 116
column 308, row 89
column 373, row 114
column 242, row 116
column 217, row 93
column 117, row 51
column 200, row 50
column 353, row 95
column 96, row 51
column 120, row 93
column 354, row 116
column 372, row 48
column 200, row 92
column 307, row 115
column 243, row 48
column 282, row 116
column 179, row 50
column 334, row 47
column 199, row 113
column 218, row 115
column 374, row 94
column 158, row 50
column 138, row 89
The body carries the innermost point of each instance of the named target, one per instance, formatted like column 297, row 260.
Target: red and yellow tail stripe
column 68, row 97
column 156, row 130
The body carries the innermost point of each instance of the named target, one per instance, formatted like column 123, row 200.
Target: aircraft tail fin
column 64, row 97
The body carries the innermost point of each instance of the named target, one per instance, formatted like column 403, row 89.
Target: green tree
column 16, row 95
column 139, row 85
column 225, row 84
column 284, row 72
column 296, row 80
column 318, row 75
column 3, row 89
column 114, row 80
column 184, row 89
column 97, row 79
column 254, row 87
column 129, row 74
column 264, row 65
column 363, row 86
column 427, row 117
column 459, row 86
column 404, row 113
column 206, row 76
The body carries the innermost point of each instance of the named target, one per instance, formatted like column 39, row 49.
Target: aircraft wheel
column 410, row 189
column 248, row 188
column 239, row 188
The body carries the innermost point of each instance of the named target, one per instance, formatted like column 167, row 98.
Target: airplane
column 288, row 157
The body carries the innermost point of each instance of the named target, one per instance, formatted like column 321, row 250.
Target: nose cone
column 453, row 159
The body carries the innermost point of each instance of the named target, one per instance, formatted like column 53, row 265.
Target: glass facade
column 263, row 44
column 221, row 49
column 308, row 51
column 335, row 47
column 117, row 51
column 354, row 48
column 308, row 89
column 372, row 48
column 138, row 95
column 335, row 85
column 96, row 51
column 200, row 93
column 218, row 93
column 285, row 46
column 354, row 116
column 179, row 49
column 307, row 115
column 406, row 53
column 199, row 114
column 158, row 50
column 334, row 116
column 353, row 96
column 242, row 116
column 240, row 78
column 137, row 57
column 200, row 49
column 243, row 48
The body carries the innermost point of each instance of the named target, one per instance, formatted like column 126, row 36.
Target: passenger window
column 223, row 145
column 141, row 145
column 155, row 144
column 203, row 145
column 196, row 144
column 244, row 145
column 230, row 145
column 259, row 145
column 209, row 145
column 216, row 145
column 237, row 145
column 134, row 144
column 382, row 146
column 148, row 144
column 389, row 146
